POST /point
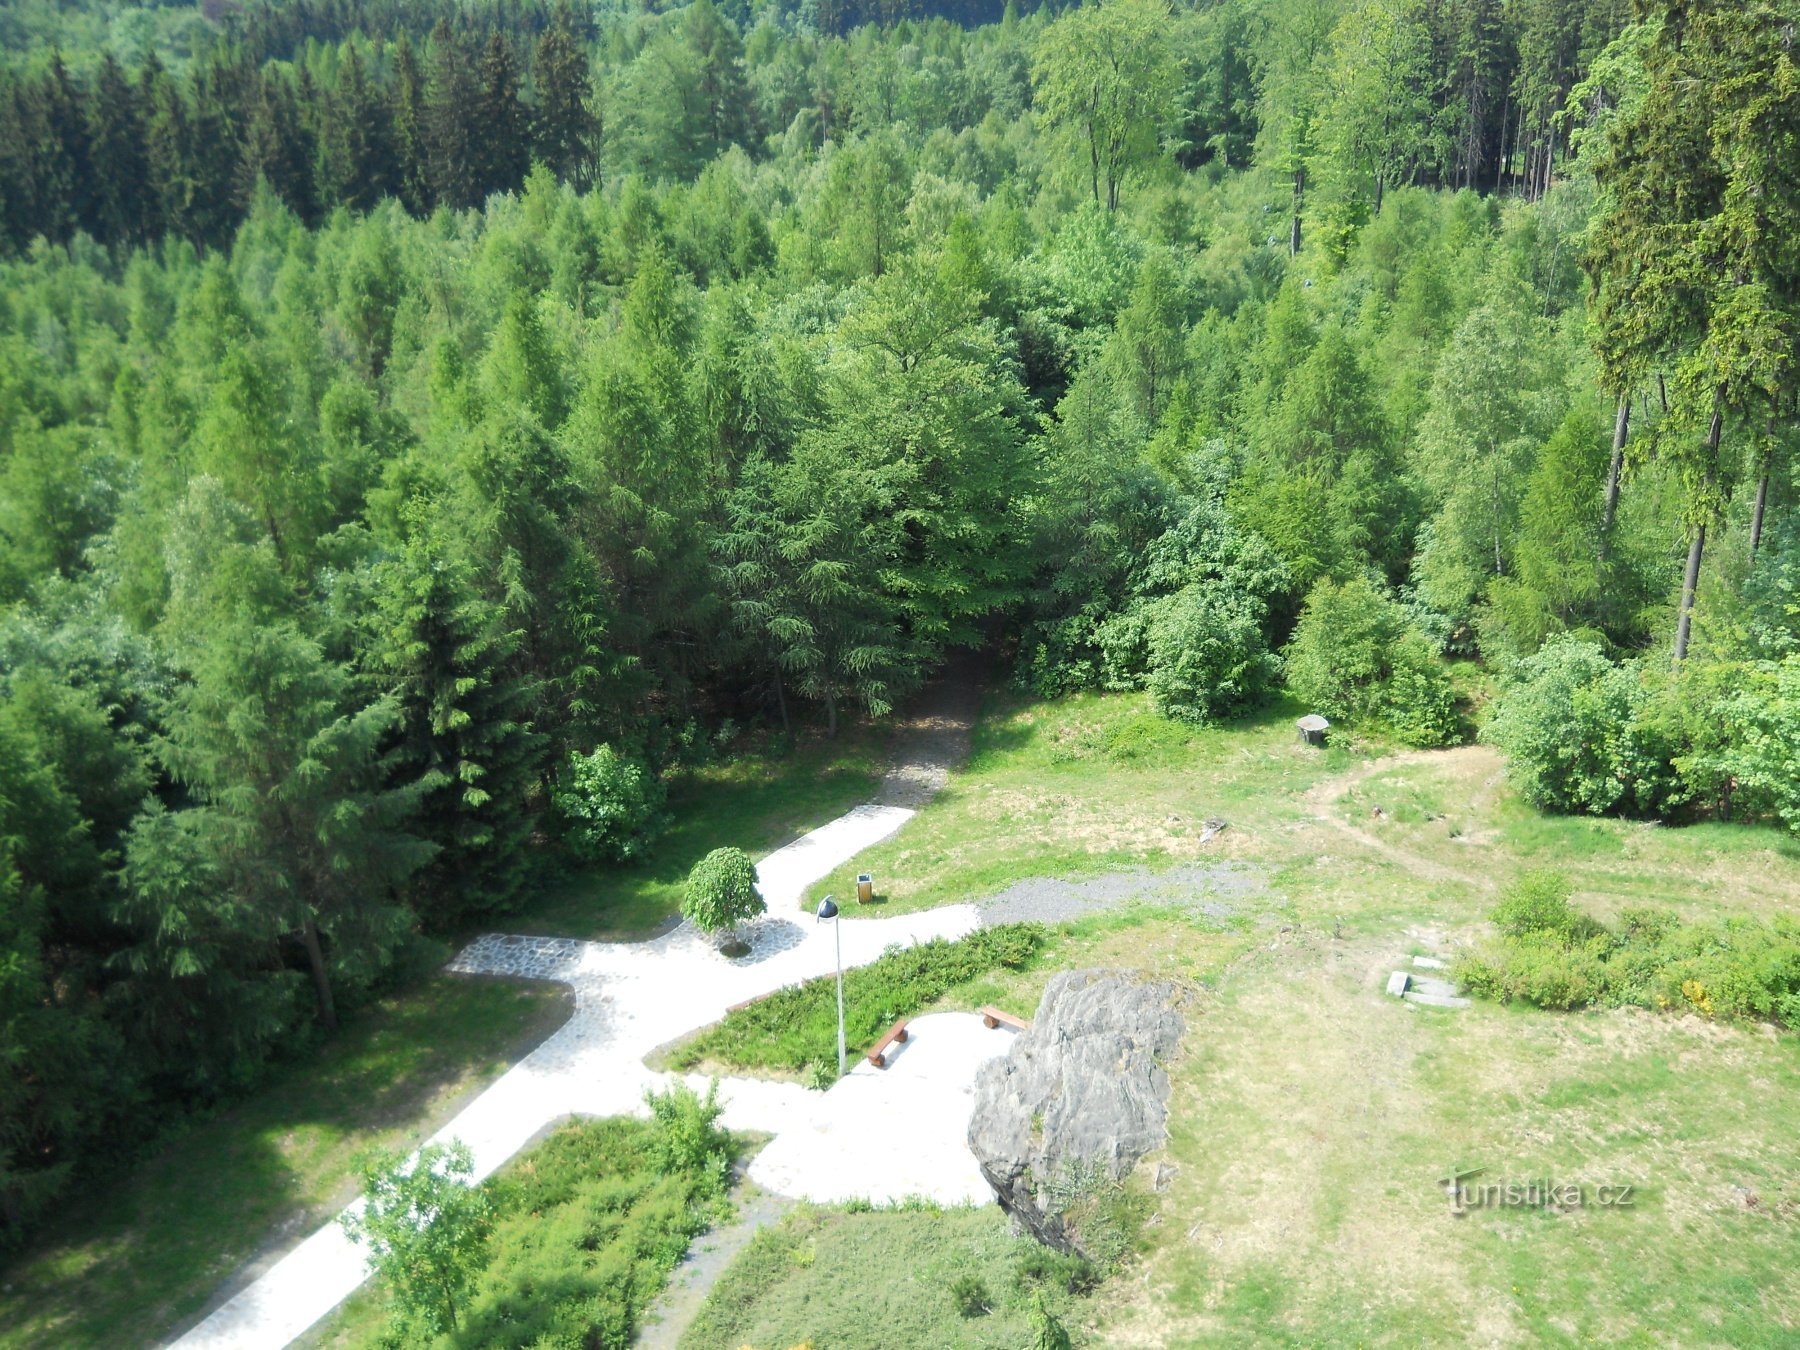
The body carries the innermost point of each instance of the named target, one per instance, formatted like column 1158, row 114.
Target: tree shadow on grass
column 156, row 1246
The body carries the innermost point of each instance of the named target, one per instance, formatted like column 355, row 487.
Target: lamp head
column 827, row 909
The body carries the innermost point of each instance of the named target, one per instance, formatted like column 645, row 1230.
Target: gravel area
column 1209, row 889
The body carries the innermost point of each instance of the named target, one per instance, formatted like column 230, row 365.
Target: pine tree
column 168, row 150
column 452, row 137
column 565, row 130
column 505, row 142
column 300, row 832
column 449, row 656
column 407, row 113
column 120, row 164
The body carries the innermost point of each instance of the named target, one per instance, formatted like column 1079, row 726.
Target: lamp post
column 829, row 910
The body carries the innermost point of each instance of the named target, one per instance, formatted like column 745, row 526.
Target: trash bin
column 865, row 888
column 1313, row 729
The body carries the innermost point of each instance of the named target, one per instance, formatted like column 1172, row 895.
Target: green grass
column 588, row 1225
column 146, row 1251
column 1085, row 785
column 797, row 1026
column 756, row 802
column 881, row 1279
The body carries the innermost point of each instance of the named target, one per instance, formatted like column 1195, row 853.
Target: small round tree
column 721, row 894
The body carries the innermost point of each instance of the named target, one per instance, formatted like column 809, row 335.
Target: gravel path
column 679, row 1303
column 1209, row 889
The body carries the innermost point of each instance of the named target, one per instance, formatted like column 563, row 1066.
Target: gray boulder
column 1079, row 1098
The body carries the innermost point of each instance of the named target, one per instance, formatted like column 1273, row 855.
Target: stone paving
column 633, row 996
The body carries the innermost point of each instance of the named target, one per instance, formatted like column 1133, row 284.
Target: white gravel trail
column 879, row 1134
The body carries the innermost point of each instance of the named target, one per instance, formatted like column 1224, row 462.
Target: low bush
column 796, row 1026
column 611, row 807
column 1551, row 955
column 970, row 1296
column 1577, row 735
column 1045, row 1267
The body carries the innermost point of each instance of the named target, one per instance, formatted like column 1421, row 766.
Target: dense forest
column 417, row 417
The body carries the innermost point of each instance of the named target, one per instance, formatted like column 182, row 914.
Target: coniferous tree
column 452, row 137
column 565, row 129
column 447, row 653
column 117, row 154
column 504, row 148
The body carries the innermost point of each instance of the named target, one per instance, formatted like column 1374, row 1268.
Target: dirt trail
column 1477, row 762
column 932, row 737
column 690, row 1282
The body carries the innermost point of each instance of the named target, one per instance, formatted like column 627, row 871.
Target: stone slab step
column 1397, row 983
column 1430, row 963
column 1436, row 1000
column 1436, row 988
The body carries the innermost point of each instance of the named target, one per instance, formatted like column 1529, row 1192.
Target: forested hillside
column 399, row 403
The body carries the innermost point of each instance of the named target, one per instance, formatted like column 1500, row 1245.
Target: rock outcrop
column 1080, row 1097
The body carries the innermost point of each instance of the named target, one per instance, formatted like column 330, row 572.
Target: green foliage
column 685, row 1138
column 1539, row 903
column 611, row 806
column 425, row 1227
column 1200, row 651
column 798, row 1025
column 721, row 891
column 1552, row 955
column 1575, row 734
column 585, row 1230
column 804, row 1281
column 1356, row 658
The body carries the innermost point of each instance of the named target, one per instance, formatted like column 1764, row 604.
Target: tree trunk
column 1690, row 582
column 1756, row 511
column 1621, row 427
column 781, row 702
column 315, row 956
column 1299, row 197
column 831, row 713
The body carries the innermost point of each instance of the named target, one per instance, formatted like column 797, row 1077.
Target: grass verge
column 874, row 1280
column 797, row 1026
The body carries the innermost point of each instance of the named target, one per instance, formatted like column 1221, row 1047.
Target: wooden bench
column 992, row 1017
column 878, row 1051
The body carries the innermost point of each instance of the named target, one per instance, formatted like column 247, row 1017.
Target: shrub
column 1538, row 902
column 1551, row 955
column 1046, row 1267
column 611, row 807
column 1206, row 655
column 970, row 1295
column 1355, row 657
column 588, row 1227
column 721, row 891
column 685, row 1136
column 1573, row 728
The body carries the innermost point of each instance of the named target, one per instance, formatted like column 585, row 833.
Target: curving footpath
column 632, row 997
